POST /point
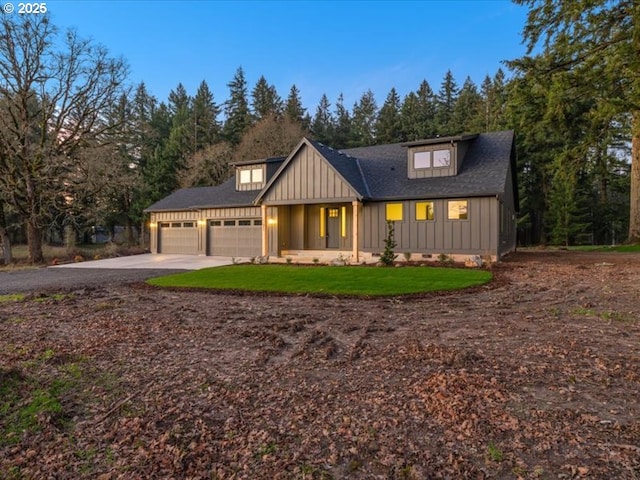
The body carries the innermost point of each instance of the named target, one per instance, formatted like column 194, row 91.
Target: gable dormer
column 437, row 157
column 254, row 174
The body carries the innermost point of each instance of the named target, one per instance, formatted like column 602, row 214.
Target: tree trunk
column 634, row 197
column 5, row 241
column 34, row 239
column 131, row 239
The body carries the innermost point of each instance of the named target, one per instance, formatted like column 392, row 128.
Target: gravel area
column 46, row 279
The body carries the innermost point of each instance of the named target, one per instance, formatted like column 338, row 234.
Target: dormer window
column 432, row 159
column 441, row 158
column 253, row 175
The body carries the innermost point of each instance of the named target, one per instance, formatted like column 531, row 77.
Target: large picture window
column 457, row 210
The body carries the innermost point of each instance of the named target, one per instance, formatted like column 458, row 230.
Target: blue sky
column 321, row 46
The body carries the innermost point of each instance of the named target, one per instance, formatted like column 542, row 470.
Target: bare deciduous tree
column 54, row 91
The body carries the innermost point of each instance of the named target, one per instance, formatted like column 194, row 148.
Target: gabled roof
column 224, row 195
column 346, row 167
column 377, row 173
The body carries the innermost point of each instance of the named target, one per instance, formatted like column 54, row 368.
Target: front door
column 333, row 227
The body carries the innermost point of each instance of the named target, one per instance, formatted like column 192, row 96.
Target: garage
column 178, row 237
column 235, row 237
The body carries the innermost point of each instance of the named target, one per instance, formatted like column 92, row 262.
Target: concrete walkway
column 156, row 262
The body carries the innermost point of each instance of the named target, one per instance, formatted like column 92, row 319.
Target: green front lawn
column 607, row 248
column 372, row 281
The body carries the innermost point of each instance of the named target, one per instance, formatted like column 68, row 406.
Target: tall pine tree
column 445, row 105
column 365, row 113
column 388, row 125
column 322, row 123
column 293, row 108
column 236, row 109
column 207, row 128
column 265, row 100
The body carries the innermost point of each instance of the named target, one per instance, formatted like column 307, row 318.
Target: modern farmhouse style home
column 454, row 196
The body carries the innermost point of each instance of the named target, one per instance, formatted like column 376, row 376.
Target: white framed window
column 422, row 160
column 256, row 175
column 245, row 176
column 441, row 158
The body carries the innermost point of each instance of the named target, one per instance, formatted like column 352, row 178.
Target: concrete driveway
column 156, row 262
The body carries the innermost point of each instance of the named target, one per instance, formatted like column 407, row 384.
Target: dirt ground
column 536, row 375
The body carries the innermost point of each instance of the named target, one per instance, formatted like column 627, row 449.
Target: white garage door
column 235, row 237
column 178, row 237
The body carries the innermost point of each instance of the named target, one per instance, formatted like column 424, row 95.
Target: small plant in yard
column 389, row 256
column 407, row 256
column 444, row 259
column 268, row 449
column 315, row 260
column 13, row 297
column 494, row 452
column 289, row 260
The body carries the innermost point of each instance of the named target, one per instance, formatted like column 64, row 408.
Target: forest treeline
column 88, row 150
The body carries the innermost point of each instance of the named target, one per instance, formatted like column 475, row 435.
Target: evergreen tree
column 409, row 117
column 494, row 99
column 238, row 117
column 426, row 120
column 365, row 113
column 322, row 123
column 293, row 108
column 388, row 125
column 160, row 172
column 565, row 214
column 181, row 142
column 145, row 137
column 207, row 129
column 597, row 42
column 445, row 104
column 467, row 113
column 265, row 100
column 343, row 129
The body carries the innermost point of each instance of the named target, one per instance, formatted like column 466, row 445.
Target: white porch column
column 354, row 229
column 265, row 231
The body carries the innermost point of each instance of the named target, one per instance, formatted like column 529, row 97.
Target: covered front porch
column 318, row 232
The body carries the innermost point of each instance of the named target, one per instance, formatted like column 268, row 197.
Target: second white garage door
column 235, row 237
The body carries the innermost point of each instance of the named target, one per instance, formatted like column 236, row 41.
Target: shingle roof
column 346, row 165
column 379, row 173
column 224, row 195
column 483, row 172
